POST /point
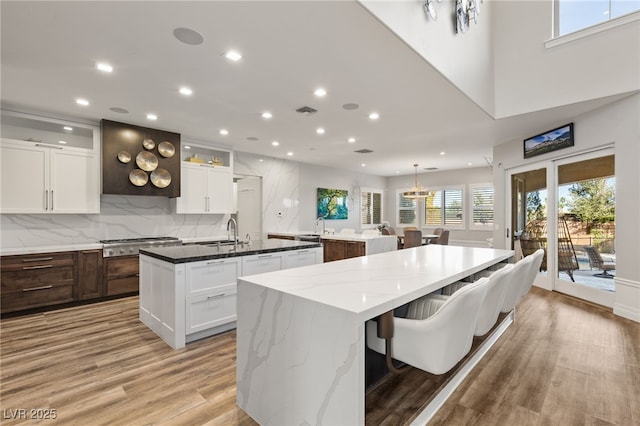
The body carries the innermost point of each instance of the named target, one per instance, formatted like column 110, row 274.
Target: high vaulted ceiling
column 49, row 52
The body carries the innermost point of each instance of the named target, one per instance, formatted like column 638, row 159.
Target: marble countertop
column 371, row 285
column 50, row 249
column 198, row 252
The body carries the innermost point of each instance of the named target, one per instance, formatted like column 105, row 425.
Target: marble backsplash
column 144, row 216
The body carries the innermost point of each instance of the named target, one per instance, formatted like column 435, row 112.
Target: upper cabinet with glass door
column 48, row 165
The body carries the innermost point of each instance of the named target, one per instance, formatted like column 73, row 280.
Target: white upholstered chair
column 499, row 281
column 519, row 276
column 438, row 342
column 534, row 268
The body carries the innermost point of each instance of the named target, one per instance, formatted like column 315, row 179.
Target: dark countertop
column 197, row 252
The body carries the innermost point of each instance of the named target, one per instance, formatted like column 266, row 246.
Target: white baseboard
column 627, row 291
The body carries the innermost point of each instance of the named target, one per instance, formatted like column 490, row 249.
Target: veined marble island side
column 300, row 332
column 189, row 292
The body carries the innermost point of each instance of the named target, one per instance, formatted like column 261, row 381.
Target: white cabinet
column 40, row 178
column 48, row 166
column 304, row 257
column 211, row 293
column 262, row 263
column 206, row 181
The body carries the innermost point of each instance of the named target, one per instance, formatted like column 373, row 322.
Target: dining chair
column 443, row 239
column 412, row 238
column 439, row 341
column 519, row 276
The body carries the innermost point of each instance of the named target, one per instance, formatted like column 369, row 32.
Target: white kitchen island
column 300, row 332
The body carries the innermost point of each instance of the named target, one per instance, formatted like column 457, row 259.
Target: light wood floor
column 563, row 362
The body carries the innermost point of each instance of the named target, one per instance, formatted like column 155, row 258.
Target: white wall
column 616, row 123
column 530, row 77
column 314, row 177
column 464, row 59
column 462, row 177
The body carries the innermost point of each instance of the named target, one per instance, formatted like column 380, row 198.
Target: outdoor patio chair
column 596, row 261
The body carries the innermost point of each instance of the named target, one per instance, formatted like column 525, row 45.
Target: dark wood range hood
column 139, row 160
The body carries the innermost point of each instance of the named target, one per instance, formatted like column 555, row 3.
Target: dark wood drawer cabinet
column 35, row 280
column 280, row 237
column 121, row 275
column 342, row 249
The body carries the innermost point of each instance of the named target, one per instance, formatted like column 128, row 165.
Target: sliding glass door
column 579, row 238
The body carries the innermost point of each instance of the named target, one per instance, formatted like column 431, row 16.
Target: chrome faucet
column 320, row 218
column 235, row 231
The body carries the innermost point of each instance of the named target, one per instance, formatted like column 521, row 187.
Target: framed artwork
column 332, row 203
column 559, row 138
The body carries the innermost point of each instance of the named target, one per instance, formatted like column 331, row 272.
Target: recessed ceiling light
column 374, row 116
column 63, row 142
column 232, row 55
column 188, row 36
column 397, row 172
column 442, row 153
column 469, row 164
column 363, row 165
column 118, row 110
column 185, row 91
column 275, row 143
column 290, row 154
column 261, row 160
column 68, row 128
column 187, row 147
column 320, row 131
column 104, row 67
column 320, row 92
column 152, row 117
column 351, row 140
column 224, row 132
column 267, row 115
column 82, row 102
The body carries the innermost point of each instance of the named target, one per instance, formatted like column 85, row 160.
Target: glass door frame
column 551, row 280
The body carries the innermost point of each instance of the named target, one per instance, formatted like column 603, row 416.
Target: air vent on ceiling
column 306, row 110
column 364, row 151
column 430, row 169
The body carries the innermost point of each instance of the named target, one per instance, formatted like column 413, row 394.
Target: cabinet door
column 262, row 263
column 193, row 190
column 212, row 310
column 220, row 190
column 74, row 182
column 90, row 283
column 295, row 259
column 333, row 250
column 203, row 277
column 24, row 179
column 354, row 249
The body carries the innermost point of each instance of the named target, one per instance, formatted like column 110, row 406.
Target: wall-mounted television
column 332, row 203
column 552, row 140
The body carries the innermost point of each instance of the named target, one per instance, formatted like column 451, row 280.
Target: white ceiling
column 49, row 50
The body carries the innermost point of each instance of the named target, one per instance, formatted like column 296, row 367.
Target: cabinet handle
column 24, row 268
column 44, row 287
column 49, row 146
column 214, row 262
column 40, row 259
column 208, row 204
column 303, row 251
column 262, row 256
column 52, row 200
column 216, row 296
column 46, row 199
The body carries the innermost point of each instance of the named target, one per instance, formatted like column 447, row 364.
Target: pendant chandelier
column 417, row 191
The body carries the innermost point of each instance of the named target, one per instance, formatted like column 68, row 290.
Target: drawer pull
column 263, row 256
column 303, row 251
column 24, row 268
column 215, row 262
column 40, row 259
column 215, row 296
column 44, row 287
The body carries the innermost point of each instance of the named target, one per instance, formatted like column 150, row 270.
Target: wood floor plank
column 562, row 362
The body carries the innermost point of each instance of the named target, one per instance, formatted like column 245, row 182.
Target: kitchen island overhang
column 300, row 333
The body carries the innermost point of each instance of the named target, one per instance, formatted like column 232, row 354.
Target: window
column 574, row 15
column 444, row 207
column 406, row 210
column 370, row 206
column 481, row 206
